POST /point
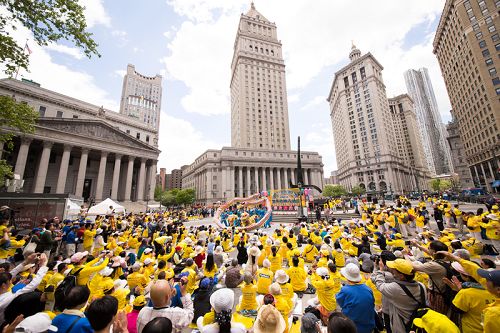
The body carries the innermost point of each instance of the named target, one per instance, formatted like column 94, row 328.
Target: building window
column 147, row 138
column 128, row 131
column 492, row 71
column 75, row 116
column 486, row 53
column 46, row 189
column 41, row 111
column 488, row 62
column 497, row 47
column 138, row 135
column 496, row 81
column 59, row 114
column 482, row 44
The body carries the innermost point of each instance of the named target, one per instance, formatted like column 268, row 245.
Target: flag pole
column 24, row 50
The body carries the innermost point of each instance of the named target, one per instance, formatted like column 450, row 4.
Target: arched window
column 272, row 52
column 267, row 51
column 261, row 50
column 251, row 47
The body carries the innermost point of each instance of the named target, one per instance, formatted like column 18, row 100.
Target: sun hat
column 79, row 256
column 106, row 271
column 222, row 300
column 281, row 277
column 37, row 323
column 492, row 275
column 254, row 251
column 401, row 265
column 218, row 250
column 434, row 321
column 351, row 272
column 308, row 323
column 398, row 235
column 120, row 283
column 98, row 231
column 296, row 252
column 266, row 263
column 147, row 261
column 148, row 250
column 140, row 301
column 269, row 320
column 459, row 268
column 275, row 289
column 322, row 271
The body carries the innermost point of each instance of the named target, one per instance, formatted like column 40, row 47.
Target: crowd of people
column 429, row 267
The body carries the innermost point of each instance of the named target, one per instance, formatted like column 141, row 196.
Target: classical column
column 116, row 177
column 152, row 181
column 232, row 183
column 278, row 176
column 292, row 172
column 82, row 169
column 264, row 179
column 306, row 177
column 256, row 177
column 488, row 185
column 22, row 155
column 142, row 180
column 225, row 171
column 240, row 181
column 287, row 181
column 101, row 176
column 128, row 181
column 43, row 166
column 271, row 178
column 63, row 170
column 249, row 180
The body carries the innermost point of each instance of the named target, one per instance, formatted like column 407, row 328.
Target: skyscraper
column 437, row 154
column 467, row 45
column 141, row 97
column 369, row 129
column 259, row 108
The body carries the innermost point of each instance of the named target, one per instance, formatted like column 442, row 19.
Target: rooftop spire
column 355, row 52
column 252, row 5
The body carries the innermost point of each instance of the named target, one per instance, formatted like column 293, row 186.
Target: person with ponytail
column 275, row 259
column 222, row 302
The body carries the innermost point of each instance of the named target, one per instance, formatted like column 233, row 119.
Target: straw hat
column 281, row 277
column 269, row 320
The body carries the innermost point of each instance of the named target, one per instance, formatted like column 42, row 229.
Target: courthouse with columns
column 259, row 157
column 81, row 149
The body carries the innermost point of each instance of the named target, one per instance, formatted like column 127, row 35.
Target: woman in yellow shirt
column 88, row 237
column 210, row 268
column 310, row 251
column 275, row 259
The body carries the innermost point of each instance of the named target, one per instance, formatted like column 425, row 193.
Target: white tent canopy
column 102, row 208
column 72, row 208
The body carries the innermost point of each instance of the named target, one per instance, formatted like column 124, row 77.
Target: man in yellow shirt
column 136, row 278
column 84, row 270
column 298, row 276
column 264, row 277
column 88, row 237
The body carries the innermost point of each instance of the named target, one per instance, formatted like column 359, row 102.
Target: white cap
column 148, row 250
column 222, row 299
column 147, row 261
column 37, row 323
column 351, row 272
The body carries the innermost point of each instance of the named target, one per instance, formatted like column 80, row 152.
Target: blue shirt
column 357, row 303
column 64, row 321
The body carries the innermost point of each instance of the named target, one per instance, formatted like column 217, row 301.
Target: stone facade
column 141, row 98
column 218, row 175
column 457, row 152
column 467, row 44
column 437, row 154
column 81, row 149
column 366, row 132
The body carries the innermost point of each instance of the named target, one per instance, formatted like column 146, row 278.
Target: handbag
column 30, row 247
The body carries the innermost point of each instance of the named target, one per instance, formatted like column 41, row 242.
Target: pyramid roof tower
column 252, row 12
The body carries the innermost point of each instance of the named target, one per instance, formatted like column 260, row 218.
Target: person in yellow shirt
column 281, row 304
column 264, row 277
column 286, row 288
column 325, row 291
column 210, row 268
column 470, row 301
column 88, row 237
column 398, row 242
column 310, row 251
column 192, row 277
column 248, row 299
column 137, row 279
column 298, row 276
column 275, row 259
column 492, row 226
column 84, row 270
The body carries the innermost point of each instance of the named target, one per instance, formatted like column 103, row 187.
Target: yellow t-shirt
column 264, row 280
column 249, row 297
column 276, row 262
column 298, row 277
column 491, row 313
column 472, row 301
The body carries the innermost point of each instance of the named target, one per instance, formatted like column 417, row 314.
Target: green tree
column 50, row 21
column 358, row 191
column 158, row 193
column 185, row 196
column 167, row 199
column 435, row 184
column 334, row 191
column 445, row 185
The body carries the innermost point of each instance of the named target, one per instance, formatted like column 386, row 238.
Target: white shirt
column 180, row 317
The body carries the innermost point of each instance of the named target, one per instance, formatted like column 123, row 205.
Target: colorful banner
column 285, row 199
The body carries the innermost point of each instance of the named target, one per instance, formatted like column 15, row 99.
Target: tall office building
column 259, row 108
column 260, row 157
column 467, row 45
column 368, row 131
column 457, row 153
column 141, row 97
column 437, row 154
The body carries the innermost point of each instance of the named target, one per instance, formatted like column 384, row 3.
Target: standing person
column 47, row 240
column 356, row 300
column 318, row 213
column 438, row 216
column 242, row 252
column 400, row 291
column 88, row 237
column 161, row 293
column 458, row 217
column 71, row 240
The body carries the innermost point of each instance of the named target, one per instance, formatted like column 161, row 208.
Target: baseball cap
column 490, row 275
column 401, row 265
column 140, row 301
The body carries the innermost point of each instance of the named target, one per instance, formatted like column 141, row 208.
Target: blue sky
column 190, row 43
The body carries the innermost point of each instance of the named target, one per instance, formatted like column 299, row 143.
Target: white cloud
column 314, row 102
column 320, row 139
column 180, row 142
column 71, row 51
column 120, row 72
column 119, row 33
column 293, row 98
column 95, row 13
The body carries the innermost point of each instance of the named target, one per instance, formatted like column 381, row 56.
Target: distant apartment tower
column 141, row 97
column 467, row 45
column 259, row 108
column 429, row 121
column 174, row 179
column 161, row 180
column 365, row 132
column 457, row 153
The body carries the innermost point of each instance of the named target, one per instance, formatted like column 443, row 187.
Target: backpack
column 448, row 293
column 421, row 306
column 64, row 288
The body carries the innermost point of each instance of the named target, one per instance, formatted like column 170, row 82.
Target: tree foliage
column 358, row 191
column 334, row 191
column 441, row 185
column 50, row 21
column 177, row 197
